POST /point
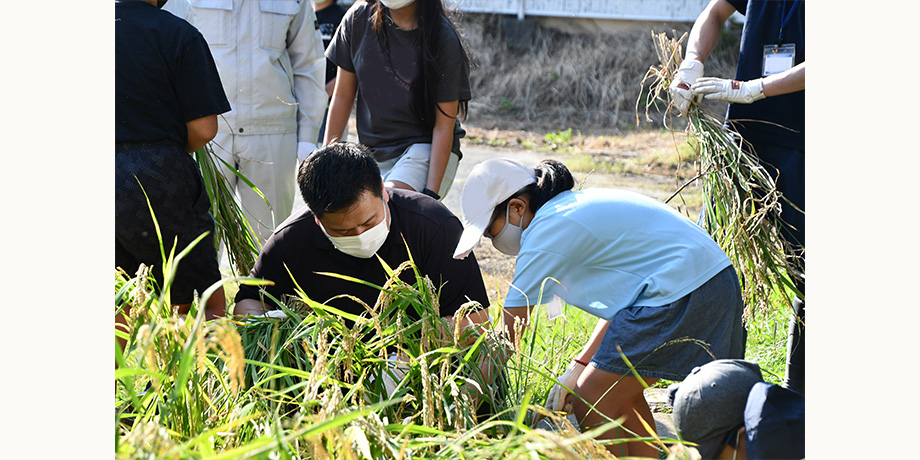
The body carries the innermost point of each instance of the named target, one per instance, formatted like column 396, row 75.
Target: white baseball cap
column 490, row 183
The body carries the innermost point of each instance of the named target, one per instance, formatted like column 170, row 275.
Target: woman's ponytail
column 553, row 178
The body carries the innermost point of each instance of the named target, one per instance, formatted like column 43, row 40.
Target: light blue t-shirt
column 612, row 249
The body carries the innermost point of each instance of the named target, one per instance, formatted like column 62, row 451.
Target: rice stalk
column 230, row 224
column 742, row 204
column 310, row 385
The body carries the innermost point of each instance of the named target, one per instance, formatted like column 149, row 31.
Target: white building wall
column 630, row 10
column 627, row 10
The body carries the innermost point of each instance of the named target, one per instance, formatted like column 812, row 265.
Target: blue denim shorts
column 667, row 342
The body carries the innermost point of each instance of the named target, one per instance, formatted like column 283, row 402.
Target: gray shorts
column 411, row 168
column 668, row 342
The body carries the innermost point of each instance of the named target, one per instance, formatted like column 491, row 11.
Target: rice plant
column 315, row 383
column 742, row 204
column 395, row 381
column 232, row 229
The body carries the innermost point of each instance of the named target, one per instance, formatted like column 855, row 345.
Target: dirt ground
column 652, row 162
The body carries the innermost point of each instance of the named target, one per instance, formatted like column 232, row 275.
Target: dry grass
column 588, row 81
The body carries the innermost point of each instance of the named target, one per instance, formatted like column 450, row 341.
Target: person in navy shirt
column 767, row 109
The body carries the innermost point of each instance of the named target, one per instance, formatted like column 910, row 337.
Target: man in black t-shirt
column 167, row 97
column 348, row 219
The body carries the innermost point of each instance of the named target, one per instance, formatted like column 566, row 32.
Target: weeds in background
column 559, row 138
column 581, row 80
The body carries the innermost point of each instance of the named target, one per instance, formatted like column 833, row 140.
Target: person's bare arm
column 594, row 342
column 474, row 320
column 343, row 98
column 706, row 30
column 442, row 138
column 200, row 132
column 490, row 364
column 248, row 307
column 215, row 307
column 330, row 87
column 786, row 82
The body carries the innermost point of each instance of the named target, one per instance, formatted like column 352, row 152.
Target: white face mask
column 396, row 4
column 365, row 245
column 509, row 241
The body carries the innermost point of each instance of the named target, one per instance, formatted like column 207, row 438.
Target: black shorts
column 172, row 182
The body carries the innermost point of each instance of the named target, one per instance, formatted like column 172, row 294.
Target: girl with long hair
column 404, row 63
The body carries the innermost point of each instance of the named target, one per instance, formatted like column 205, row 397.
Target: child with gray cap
column 727, row 409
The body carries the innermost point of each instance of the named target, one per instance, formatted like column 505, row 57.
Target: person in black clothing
column 328, row 14
column 350, row 216
column 167, row 98
column 729, row 411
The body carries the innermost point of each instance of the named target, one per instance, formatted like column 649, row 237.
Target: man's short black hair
column 333, row 178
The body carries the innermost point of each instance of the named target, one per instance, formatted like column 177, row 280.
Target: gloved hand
column 275, row 314
column 743, row 92
column 280, row 314
column 304, row 149
column 687, row 74
column 556, row 399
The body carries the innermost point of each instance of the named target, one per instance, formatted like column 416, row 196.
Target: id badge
column 554, row 308
column 778, row 58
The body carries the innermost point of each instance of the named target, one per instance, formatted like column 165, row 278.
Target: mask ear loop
column 523, row 214
column 508, row 213
column 507, row 220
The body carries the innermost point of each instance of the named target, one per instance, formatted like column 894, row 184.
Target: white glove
column 687, row 73
column 275, row 314
column 272, row 314
column 556, row 399
column 743, row 92
column 280, row 314
column 304, row 149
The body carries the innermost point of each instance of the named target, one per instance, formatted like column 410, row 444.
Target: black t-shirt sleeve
column 198, row 86
column 460, row 281
column 740, row 5
column 454, row 84
column 340, row 48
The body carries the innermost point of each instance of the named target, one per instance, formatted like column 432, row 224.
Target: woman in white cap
column 667, row 296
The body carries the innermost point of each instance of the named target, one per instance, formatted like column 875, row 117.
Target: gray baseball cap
column 710, row 402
